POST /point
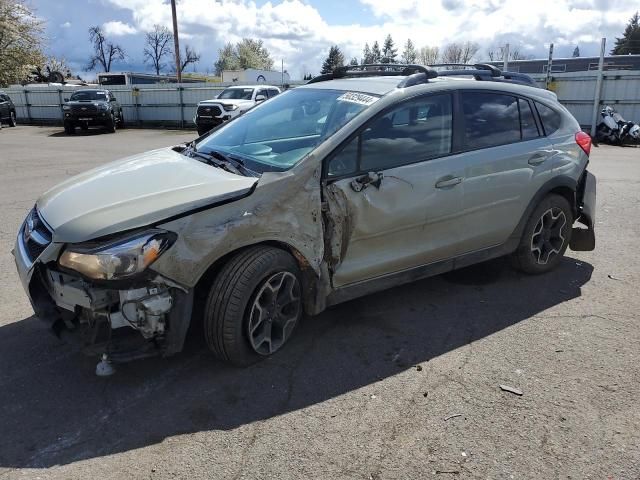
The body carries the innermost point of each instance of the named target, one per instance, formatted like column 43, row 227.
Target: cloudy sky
column 300, row 32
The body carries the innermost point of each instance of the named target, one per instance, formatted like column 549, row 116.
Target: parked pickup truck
column 232, row 102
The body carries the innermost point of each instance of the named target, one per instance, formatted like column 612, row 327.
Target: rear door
column 393, row 192
column 507, row 160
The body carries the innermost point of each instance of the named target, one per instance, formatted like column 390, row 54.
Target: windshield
column 277, row 134
column 89, row 95
column 237, row 94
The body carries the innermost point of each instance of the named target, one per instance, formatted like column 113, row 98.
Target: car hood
column 135, row 192
column 229, row 101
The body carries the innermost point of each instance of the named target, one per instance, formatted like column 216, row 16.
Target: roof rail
column 378, row 70
column 483, row 68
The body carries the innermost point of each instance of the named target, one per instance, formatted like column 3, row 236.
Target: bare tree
column 496, row 54
column 190, row 56
column 104, row 52
column 459, row 52
column 428, row 55
column 157, row 46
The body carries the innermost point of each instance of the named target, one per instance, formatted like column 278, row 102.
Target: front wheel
column 202, row 131
column 12, row 119
column 254, row 305
column 111, row 124
column 69, row 128
column 546, row 236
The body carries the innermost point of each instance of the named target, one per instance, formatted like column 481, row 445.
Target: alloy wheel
column 274, row 313
column 548, row 236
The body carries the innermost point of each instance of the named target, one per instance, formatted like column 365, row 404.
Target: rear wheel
column 546, row 236
column 253, row 306
column 12, row 119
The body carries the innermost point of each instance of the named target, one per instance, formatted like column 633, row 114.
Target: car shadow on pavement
column 81, row 133
column 54, row 410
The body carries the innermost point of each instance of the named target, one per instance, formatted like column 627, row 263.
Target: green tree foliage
column 409, row 55
column 389, row 53
column 247, row 53
column 21, row 41
column 576, row 52
column 334, row 60
column 354, row 61
column 376, row 54
column 629, row 44
column 367, row 57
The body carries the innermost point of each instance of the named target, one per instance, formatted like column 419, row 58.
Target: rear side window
column 490, row 119
column 272, row 92
column 551, row 119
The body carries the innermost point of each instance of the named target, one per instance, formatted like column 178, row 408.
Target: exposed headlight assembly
column 230, row 108
column 119, row 259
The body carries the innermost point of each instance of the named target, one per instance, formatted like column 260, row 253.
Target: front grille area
column 35, row 236
column 209, row 110
column 88, row 109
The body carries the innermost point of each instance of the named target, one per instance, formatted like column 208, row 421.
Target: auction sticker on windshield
column 359, row 98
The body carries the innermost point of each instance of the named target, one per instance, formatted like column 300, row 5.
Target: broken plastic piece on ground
column 509, row 389
column 452, row 416
column 104, row 367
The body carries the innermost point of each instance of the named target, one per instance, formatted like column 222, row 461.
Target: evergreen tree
column 388, row 52
column 576, row 52
column 629, row 44
column 366, row 54
column 409, row 55
column 354, row 61
column 334, row 60
column 376, row 54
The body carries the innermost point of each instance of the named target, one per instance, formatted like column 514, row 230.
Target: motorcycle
column 614, row 129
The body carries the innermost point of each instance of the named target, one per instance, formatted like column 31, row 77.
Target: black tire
column 539, row 251
column 232, row 299
column 69, row 129
column 12, row 119
column 202, row 131
column 121, row 120
column 111, row 124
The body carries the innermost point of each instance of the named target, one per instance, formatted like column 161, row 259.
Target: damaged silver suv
column 363, row 179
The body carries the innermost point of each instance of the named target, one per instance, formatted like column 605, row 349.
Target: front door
column 395, row 190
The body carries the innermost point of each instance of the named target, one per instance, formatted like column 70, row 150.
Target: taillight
column 584, row 141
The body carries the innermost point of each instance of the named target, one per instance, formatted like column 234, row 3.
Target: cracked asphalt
column 400, row 385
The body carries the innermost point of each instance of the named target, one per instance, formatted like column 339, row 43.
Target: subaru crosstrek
column 362, row 179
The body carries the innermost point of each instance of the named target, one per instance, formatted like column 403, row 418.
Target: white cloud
column 118, row 28
column 295, row 31
column 65, row 25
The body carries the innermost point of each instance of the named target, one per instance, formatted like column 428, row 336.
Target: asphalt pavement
column 404, row 384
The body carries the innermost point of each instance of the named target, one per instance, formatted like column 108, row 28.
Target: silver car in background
column 361, row 180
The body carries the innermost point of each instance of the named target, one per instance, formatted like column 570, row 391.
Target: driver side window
column 414, row 131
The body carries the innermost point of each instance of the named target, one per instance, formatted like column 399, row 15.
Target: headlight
column 119, row 259
column 103, row 106
column 230, row 108
column 66, row 107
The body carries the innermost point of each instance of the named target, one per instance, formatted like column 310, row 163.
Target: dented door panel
column 404, row 223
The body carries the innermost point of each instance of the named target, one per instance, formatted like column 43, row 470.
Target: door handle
column 537, row 158
column 448, row 182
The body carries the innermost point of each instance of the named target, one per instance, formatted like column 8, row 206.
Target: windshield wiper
column 220, row 160
column 234, row 161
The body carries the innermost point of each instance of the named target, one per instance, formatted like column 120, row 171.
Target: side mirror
column 66, row 99
column 260, row 98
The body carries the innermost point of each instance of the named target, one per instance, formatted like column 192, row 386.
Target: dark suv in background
column 7, row 110
column 91, row 107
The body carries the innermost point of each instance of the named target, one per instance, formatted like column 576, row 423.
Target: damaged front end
column 102, row 292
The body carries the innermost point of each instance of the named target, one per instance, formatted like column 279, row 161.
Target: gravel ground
column 400, row 385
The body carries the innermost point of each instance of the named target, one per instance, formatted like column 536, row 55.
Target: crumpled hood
column 135, row 192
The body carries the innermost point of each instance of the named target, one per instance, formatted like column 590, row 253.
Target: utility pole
column 505, row 67
column 598, row 92
column 549, row 65
column 176, row 42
